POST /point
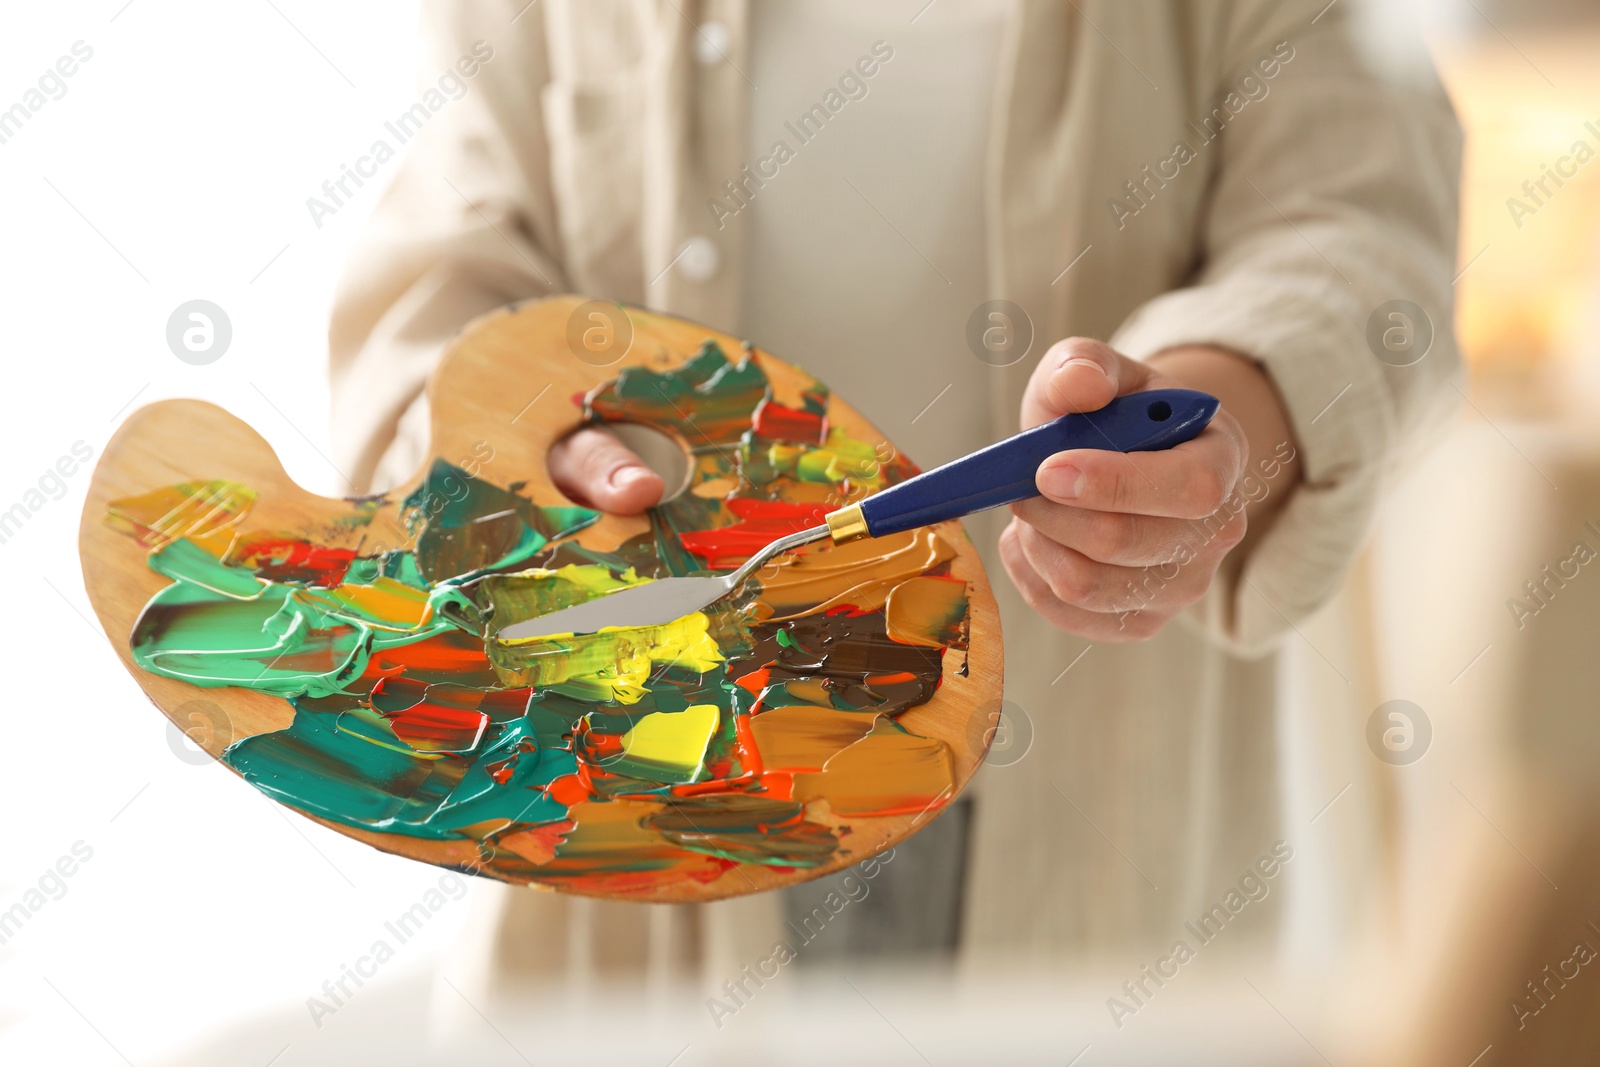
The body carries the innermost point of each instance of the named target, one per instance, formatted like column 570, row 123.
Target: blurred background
column 198, row 918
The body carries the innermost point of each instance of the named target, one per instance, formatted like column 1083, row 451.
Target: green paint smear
column 219, row 625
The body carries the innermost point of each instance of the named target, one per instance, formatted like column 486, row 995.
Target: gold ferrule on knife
column 847, row 524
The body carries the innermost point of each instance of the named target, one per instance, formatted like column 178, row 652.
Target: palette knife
column 999, row 474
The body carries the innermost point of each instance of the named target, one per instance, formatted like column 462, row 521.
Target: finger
column 1190, row 481
column 1078, row 580
column 1076, row 375
column 1132, row 540
column 1094, row 625
column 593, row 468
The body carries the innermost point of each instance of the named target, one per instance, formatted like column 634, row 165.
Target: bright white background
column 175, row 167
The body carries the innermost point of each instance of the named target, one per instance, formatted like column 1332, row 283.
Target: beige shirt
column 1157, row 173
column 865, row 252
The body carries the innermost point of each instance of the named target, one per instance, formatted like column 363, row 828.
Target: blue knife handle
column 1004, row 473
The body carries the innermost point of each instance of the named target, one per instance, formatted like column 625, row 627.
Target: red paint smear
column 749, row 508
column 289, row 559
column 451, row 722
column 789, row 424
column 437, row 728
column 761, row 522
column 721, row 768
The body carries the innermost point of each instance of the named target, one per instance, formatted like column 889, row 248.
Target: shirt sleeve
column 466, row 226
column 1336, row 198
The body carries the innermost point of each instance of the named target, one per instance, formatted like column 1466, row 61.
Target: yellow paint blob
column 673, row 741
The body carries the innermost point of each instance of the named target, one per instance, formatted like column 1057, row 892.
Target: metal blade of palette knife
column 654, row 603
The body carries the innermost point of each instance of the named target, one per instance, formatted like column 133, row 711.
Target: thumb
column 592, row 467
column 1075, row 375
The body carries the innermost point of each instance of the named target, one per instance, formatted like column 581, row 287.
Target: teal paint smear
column 708, row 400
column 343, row 762
column 399, row 565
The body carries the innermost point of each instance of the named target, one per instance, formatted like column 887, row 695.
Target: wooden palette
column 482, row 420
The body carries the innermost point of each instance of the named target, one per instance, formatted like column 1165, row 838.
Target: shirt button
column 699, row 259
column 711, row 43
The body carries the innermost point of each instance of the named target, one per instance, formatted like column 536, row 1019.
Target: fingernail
column 626, row 475
column 1061, row 483
column 1080, row 361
